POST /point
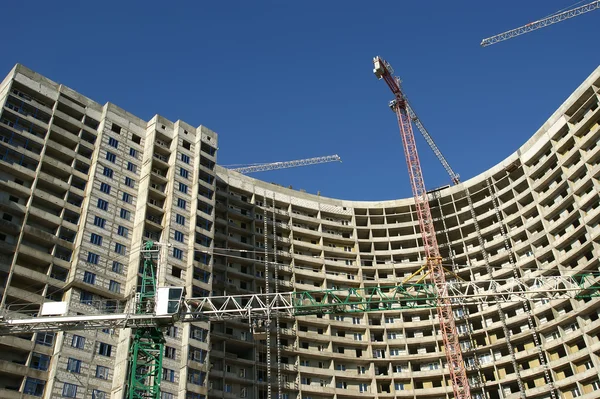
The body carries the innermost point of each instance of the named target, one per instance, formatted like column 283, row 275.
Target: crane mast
column 453, row 351
column 287, row 164
column 541, row 23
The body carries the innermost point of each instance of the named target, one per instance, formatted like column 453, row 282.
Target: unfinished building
column 84, row 184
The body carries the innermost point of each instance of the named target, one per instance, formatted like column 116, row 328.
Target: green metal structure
column 147, row 348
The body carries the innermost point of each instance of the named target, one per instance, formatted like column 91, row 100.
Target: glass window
column 108, row 172
column 102, row 372
column 96, row 239
column 181, row 203
column 131, row 167
column 127, row 198
column 129, row 182
column 179, row 219
column 133, row 152
column 97, row 394
column 78, row 342
column 45, row 338
column 113, row 142
column 73, row 365
column 178, row 236
column 114, row 286
column 105, row 188
column 168, row 375
column 102, row 204
column 185, row 158
column 98, row 221
column 184, row 173
column 89, row 277
column 86, row 297
column 93, row 258
column 120, row 248
column 117, row 267
column 123, row 231
column 34, row 387
column 125, row 214
column 104, row 349
column 39, row 361
column 69, row 390
column 183, row 188
column 111, row 157
column 177, row 253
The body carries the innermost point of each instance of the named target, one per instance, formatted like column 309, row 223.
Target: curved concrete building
column 534, row 214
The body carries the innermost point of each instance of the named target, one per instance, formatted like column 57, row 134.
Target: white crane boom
column 330, row 301
column 542, row 23
column 287, row 164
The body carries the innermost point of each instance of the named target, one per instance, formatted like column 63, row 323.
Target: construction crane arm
column 287, row 164
column 542, row 23
column 329, row 301
column 453, row 175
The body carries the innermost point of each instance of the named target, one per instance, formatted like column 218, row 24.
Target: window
column 179, row 219
column 96, row 239
column 185, row 158
column 186, row 144
column 363, row 387
column 399, row 386
column 105, row 188
column 170, row 352
column 166, row 395
column 73, row 365
column 123, row 231
column 181, row 203
column 98, row 221
column 102, row 372
column 114, row 286
column 129, row 182
column 168, row 375
column 125, row 214
column 104, row 349
column 131, row 167
column 34, row 387
column 228, row 388
column 127, row 198
column 196, row 377
column 183, row 188
column 117, row 267
column 108, row 172
column 93, row 258
column 69, row 390
column 136, row 139
column 115, row 128
column 357, row 336
column 86, row 297
column 184, row 173
column 89, row 278
column 78, row 341
column 113, row 142
column 39, row 361
column 171, row 331
column 102, row 204
column 111, row 157
column 97, row 394
column 177, row 253
column 178, row 236
column 120, row 248
column 133, row 152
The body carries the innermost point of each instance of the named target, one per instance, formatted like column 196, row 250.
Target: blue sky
column 283, row 80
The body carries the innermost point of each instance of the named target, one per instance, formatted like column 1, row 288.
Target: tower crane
column 286, row 164
column 542, row 23
column 458, row 373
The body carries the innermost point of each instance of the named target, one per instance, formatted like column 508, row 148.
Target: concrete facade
column 54, row 151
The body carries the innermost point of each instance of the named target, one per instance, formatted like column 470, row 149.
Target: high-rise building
column 83, row 185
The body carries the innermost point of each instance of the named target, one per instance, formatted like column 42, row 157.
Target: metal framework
column 542, row 23
column 331, row 301
column 147, row 347
column 287, row 164
column 453, row 175
column 456, row 367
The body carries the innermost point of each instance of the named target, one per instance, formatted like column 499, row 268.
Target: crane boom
column 329, row 301
column 287, row 164
column 453, row 175
column 456, row 367
column 542, row 23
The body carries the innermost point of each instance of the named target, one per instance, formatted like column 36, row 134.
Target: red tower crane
column 399, row 105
